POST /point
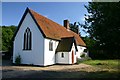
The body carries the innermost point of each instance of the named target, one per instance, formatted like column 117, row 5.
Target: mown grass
column 112, row 64
column 104, row 68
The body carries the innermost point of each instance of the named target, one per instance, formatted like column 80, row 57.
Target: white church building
column 41, row 41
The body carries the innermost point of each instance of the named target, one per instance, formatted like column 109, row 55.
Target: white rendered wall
column 34, row 56
column 70, row 55
column 62, row 60
column 49, row 56
column 80, row 51
column 67, row 59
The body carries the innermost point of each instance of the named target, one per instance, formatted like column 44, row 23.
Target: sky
column 12, row 12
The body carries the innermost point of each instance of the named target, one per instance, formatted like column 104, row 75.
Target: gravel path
column 53, row 67
column 38, row 72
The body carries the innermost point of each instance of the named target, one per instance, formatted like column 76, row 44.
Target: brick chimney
column 66, row 24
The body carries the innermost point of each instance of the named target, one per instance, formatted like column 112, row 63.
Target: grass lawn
column 103, row 63
column 104, row 68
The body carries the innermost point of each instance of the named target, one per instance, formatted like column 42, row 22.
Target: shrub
column 82, row 56
column 18, row 60
column 78, row 61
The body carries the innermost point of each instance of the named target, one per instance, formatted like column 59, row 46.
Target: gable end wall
column 34, row 56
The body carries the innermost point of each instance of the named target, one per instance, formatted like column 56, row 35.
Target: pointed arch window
column 27, row 39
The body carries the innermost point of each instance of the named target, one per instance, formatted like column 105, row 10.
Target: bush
column 103, row 54
column 18, row 60
column 82, row 56
column 86, row 58
column 78, row 61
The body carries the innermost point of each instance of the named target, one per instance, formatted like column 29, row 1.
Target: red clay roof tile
column 54, row 30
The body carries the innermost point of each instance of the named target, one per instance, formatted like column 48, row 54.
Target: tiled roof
column 50, row 29
column 54, row 30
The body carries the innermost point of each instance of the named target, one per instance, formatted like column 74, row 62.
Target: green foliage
column 18, row 60
column 102, row 23
column 7, row 34
column 89, row 42
column 74, row 28
column 78, row 61
column 83, row 58
column 82, row 55
column 92, row 48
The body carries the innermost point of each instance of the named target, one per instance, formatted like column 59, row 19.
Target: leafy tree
column 103, row 25
column 89, row 41
column 75, row 27
column 7, row 34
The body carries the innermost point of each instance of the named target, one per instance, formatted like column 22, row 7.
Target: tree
column 7, row 34
column 103, row 25
column 74, row 27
